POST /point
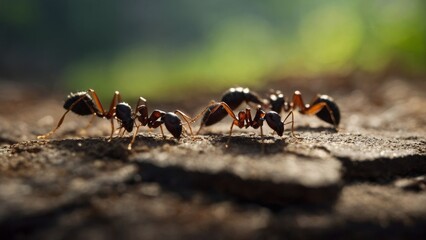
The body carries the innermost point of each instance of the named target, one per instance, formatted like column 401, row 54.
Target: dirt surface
column 368, row 179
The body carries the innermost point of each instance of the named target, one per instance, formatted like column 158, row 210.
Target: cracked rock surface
column 365, row 180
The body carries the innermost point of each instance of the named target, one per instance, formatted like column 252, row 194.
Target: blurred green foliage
column 147, row 47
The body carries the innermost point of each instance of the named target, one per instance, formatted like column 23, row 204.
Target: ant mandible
column 87, row 103
column 244, row 119
column 323, row 106
column 233, row 98
column 127, row 118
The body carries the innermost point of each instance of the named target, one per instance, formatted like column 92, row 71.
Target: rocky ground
column 366, row 180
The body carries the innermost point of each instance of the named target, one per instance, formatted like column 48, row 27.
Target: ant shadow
column 315, row 129
column 250, row 145
column 99, row 147
column 149, row 141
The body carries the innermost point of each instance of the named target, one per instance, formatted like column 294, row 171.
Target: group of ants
column 88, row 103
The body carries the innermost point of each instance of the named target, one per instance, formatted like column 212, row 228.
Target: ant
column 244, row 119
column 233, row 98
column 323, row 106
column 87, row 103
column 127, row 119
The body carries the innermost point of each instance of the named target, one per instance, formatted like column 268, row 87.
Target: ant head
column 276, row 100
column 274, row 121
column 123, row 112
column 173, row 124
column 330, row 114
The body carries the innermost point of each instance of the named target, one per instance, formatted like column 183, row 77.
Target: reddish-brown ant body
column 322, row 106
column 123, row 114
column 234, row 97
column 244, row 119
column 127, row 118
column 87, row 103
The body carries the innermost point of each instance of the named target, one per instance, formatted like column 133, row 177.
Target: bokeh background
column 163, row 49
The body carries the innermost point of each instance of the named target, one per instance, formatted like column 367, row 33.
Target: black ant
column 233, row 98
column 244, row 119
column 323, row 106
column 127, row 118
column 87, row 103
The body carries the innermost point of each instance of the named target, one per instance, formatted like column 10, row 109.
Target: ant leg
column 109, row 114
column 62, row 119
column 186, row 118
column 162, row 133
column 112, row 130
column 263, row 140
column 56, row 128
column 228, row 110
column 133, row 138
column 318, row 107
column 232, row 114
column 121, row 132
column 310, row 110
column 230, row 134
column 212, row 103
column 186, row 131
column 248, row 119
column 298, row 102
column 115, row 100
column 292, row 122
column 199, row 130
column 90, row 122
column 97, row 101
column 314, row 108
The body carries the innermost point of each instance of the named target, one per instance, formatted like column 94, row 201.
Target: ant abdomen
column 324, row 114
column 84, row 106
column 173, row 124
column 211, row 117
column 87, row 103
column 274, row 121
column 123, row 112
